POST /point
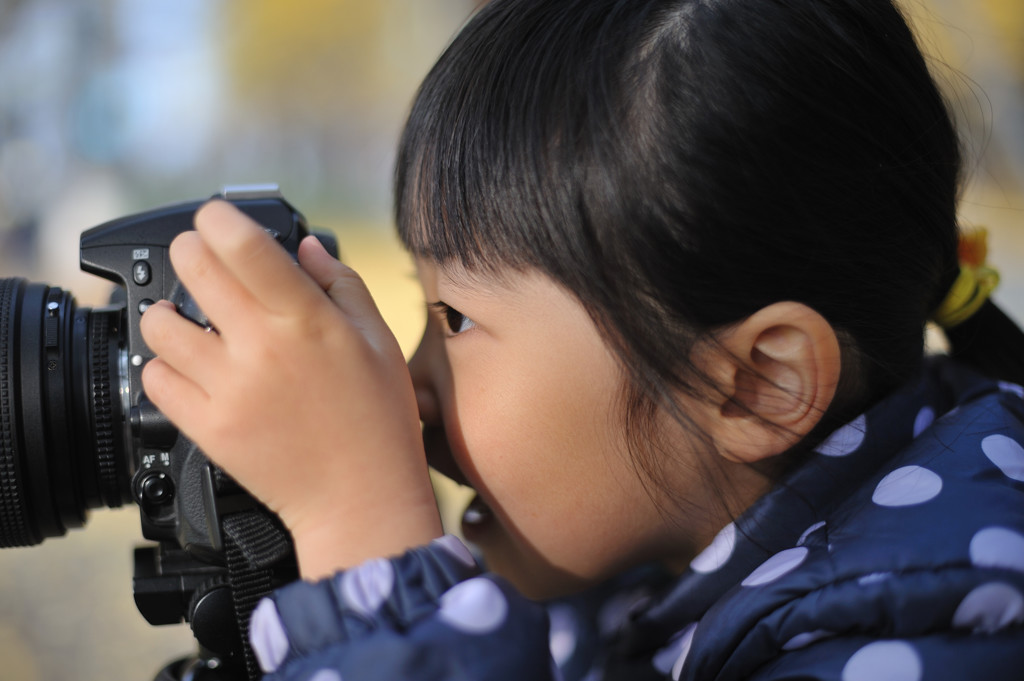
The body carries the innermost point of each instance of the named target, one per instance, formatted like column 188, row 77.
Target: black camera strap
column 259, row 555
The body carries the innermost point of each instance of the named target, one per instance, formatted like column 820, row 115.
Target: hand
column 304, row 398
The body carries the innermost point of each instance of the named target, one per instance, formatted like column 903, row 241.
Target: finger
column 187, row 348
column 216, row 291
column 343, row 284
column 253, row 257
column 180, row 399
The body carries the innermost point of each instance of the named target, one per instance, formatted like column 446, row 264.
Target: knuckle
column 231, row 232
column 348, row 280
column 154, row 380
column 190, row 258
column 182, row 245
column 153, row 328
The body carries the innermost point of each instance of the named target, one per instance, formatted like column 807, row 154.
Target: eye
column 453, row 319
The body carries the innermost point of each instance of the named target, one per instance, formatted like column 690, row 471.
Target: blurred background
column 116, row 106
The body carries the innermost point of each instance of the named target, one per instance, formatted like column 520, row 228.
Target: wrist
column 343, row 536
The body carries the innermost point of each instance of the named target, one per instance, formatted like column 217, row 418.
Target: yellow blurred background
column 113, row 106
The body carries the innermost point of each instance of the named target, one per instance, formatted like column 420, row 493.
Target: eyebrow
column 477, row 282
column 476, row 287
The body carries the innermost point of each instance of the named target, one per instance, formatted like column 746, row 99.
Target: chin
column 531, row 574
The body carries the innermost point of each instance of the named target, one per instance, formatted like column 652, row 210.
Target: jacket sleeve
column 430, row 614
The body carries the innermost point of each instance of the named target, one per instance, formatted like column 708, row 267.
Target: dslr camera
column 77, row 432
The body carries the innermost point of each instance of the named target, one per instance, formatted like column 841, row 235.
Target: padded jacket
column 894, row 552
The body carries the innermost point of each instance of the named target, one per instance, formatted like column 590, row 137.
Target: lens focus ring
column 14, row 527
column 103, row 411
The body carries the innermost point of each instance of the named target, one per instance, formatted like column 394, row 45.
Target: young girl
column 679, row 256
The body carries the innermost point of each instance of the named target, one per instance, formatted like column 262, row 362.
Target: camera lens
column 63, row 440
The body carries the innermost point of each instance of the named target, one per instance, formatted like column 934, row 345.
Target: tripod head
column 172, row 585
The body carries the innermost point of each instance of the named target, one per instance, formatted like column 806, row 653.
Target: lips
column 475, row 519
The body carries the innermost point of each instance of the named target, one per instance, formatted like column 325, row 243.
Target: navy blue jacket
column 895, row 552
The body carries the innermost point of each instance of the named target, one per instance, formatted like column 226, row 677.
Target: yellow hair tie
column 974, row 284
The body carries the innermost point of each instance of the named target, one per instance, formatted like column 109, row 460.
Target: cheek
column 545, row 445
column 531, row 417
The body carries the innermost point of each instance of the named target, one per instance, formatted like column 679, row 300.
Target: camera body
column 77, row 432
column 180, row 495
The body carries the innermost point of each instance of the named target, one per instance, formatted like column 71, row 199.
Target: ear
column 776, row 373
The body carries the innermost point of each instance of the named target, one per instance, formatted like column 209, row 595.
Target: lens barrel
column 63, row 440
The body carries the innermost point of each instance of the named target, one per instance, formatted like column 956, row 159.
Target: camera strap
column 259, row 552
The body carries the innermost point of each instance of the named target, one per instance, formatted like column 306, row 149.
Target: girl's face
column 520, row 399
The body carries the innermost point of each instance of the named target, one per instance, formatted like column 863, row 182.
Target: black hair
column 679, row 164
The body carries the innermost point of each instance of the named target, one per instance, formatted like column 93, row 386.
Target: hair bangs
column 498, row 155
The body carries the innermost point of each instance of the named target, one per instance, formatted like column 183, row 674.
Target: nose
column 422, row 366
column 429, row 369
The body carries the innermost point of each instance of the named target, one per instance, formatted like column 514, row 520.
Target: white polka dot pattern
column 670, row 659
column 907, row 486
column 562, row 634
column 924, row 419
column 325, row 675
column 809, row 531
column 1008, row 387
column 874, row 578
column 556, row 672
column 368, row 585
column 1007, row 454
column 267, row 636
column 475, row 606
column 685, row 643
column 846, row 440
column 884, row 661
column 989, row 608
column 998, row 547
column 807, row 638
column 455, row 548
column 718, row 551
column 779, row 565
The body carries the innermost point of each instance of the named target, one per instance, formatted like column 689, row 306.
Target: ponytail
column 979, row 333
column 989, row 342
